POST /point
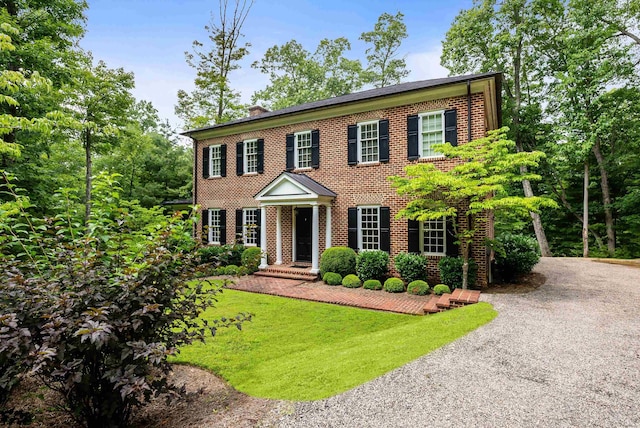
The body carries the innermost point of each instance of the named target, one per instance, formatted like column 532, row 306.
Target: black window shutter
column 290, row 153
column 205, row 226
column 352, row 135
column 239, row 158
column 353, row 228
column 413, row 237
column 383, row 140
column 260, row 155
column 413, row 151
column 223, row 226
column 450, row 127
column 223, row 160
column 259, row 222
column 452, row 247
column 239, row 226
column 385, row 229
column 315, row 148
column 205, row 162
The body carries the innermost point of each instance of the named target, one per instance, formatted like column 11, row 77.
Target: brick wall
column 354, row 185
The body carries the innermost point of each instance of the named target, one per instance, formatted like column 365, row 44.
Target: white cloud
column 426, row 65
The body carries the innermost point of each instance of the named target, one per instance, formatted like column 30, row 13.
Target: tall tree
column 298, row 76
column 384, row 68
column 503, row 36
column 213, row 100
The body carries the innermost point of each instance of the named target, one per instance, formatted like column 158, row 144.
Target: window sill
column 214, row 177
column 432, row 158
column 366, row 164
column 249, row 174
column 305, row 169
column 434, row 255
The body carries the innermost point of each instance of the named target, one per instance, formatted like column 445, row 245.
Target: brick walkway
column 320, row 292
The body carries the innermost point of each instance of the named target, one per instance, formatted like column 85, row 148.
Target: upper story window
column 431, row 127
column 368, row 145
column 427, row 129
column 214, row 161
column 303, row 149
column 433, row 234
column 250, row 156
column 368, row 142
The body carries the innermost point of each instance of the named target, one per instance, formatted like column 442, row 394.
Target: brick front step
column 447, row 301
column 465, row 297
column 288, row 273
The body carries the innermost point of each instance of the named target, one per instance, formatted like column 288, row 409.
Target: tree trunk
column 585, row 212
column 545, row 251
column 87, row 154
column 606, row 199
column 465, row 264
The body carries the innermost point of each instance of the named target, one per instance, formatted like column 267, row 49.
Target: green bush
column 372, row 284
column 351, row 281
column 332, row 278
column 418, row 287
column 231, row 270
column 440, row 289
column 451, row 271
column 221, row 255
column 251, row 258
column 340, row 260
column 515, row 255
column 411, row 267
column 372, row 264
column 394, row 285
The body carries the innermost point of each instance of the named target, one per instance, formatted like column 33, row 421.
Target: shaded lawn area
column 301, row 350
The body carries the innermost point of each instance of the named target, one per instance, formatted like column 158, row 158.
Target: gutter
column 468, row 111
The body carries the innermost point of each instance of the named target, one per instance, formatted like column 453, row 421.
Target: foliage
column 393, row 285
column 440, row 289
column 341, row 260
column 332, row 278
column 103, row 305
column 372, row 264
column 351, row 281
column 411, row 267
column 231, row 270
column 328, row 348
column 471, row 188
column 384, row 68
column 418, row 287
column 372, row 284
column 251, row 258
column 517, row 255
column 222, row 255
column 451, row 271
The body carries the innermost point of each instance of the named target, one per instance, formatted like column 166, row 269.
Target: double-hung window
column 303, row 149
column 250, row 226
column 368, row 146
column 369, row 228
column 431, row 126
column 250, row 156
column 369, row 221
column 433, row 234
column 368, row 142
column 214, row 226
column 215, row 161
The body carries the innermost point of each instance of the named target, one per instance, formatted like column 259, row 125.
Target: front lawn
column 300, row 350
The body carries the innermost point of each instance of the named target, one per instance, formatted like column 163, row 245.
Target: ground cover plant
column 301, row 350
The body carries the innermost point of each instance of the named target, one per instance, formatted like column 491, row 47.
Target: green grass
column 300, row 350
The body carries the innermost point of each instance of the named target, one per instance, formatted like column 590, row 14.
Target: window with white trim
column 433, row 237
column 250, row 156
column 368, row 143
column 214, row 226
column 303, row 149
column 250, row 226
column 431, row 132
column 215, row 161
column 369, row 222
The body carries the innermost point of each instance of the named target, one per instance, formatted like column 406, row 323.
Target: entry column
column 315, row 238
column 263, row 237
column 279, row 235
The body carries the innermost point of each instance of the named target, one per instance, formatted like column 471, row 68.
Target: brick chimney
column 257, row 110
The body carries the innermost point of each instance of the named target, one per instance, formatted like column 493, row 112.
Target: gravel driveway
column 567, row 354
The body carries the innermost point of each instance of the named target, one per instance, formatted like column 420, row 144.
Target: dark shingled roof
column 349, row 98
column 305, row 181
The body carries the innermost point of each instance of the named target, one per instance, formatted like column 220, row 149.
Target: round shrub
column 332, row 278
column 516, row 255
column 451, row 271
column 231, row 270
column 394, row 285
column 411, row 267
column 418, row 287
column 351, row 281
column 251, row 258
column 372, row 264
column 441, row 289
column 372, row 284
column 242, row 271
column 340, row 260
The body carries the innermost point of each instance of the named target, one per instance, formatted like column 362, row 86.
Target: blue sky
column 149, row 37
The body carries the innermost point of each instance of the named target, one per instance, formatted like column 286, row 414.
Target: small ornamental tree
column 474, row 186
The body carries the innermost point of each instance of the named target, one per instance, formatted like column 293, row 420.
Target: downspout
column 195, row 181
column 468, row 111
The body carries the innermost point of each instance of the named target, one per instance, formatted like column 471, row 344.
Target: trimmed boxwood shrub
column 372, row 264
column 411, row 267
column 332, row 278
column 340, row 260
column 394, row 285
column 418, row 287
column 231, row 270
column 440, row 289
column 221, row 255
column 451, row 271
column 372, row 284
column 351, row 281
column 251, row 258
column 516, row 255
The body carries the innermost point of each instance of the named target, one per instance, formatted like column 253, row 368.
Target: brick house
column 313, row 176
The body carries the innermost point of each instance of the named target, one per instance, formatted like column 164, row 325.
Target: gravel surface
column 567, row 354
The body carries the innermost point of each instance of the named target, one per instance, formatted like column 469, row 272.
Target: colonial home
column 313, row 176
